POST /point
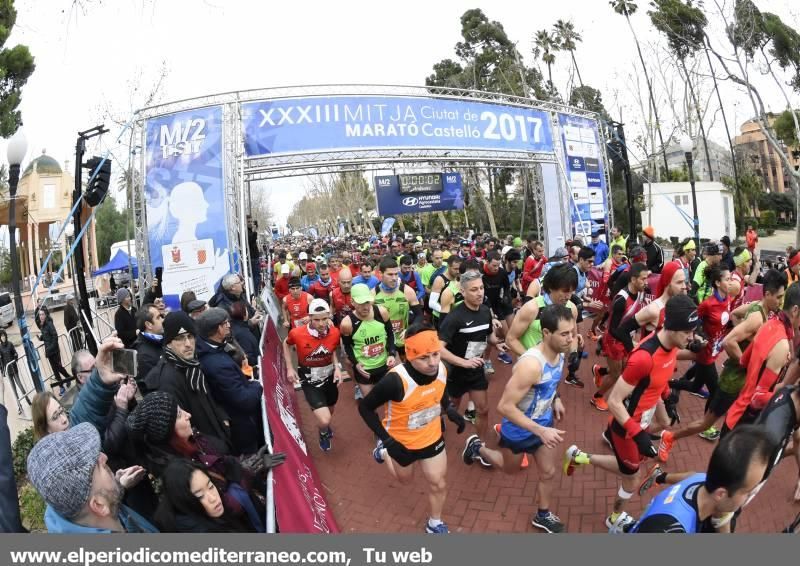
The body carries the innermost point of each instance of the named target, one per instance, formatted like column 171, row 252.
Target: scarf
column 190, row 368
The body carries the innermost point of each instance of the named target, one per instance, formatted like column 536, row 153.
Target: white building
column 670, row 210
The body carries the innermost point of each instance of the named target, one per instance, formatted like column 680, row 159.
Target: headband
column 421, row 344
column 795, row 260
column 742, row 258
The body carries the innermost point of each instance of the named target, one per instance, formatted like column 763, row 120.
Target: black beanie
column 680, row 313
column 178, row 322
column 154, row 417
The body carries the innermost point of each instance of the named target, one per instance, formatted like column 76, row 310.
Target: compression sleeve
column 391, row 348
column 387, row 389
column 433, row 302
column 416, row 310
column 347, row 342
column 617, row 310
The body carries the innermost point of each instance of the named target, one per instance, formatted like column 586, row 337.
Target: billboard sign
column 398, row 194
column 184, row 202
column 297, row 125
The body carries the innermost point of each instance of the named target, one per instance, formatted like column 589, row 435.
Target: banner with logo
column 184, row 202
column 585, row 169
column 597, row 288
column 293, row 125
column 392, row 201
column 300, row 504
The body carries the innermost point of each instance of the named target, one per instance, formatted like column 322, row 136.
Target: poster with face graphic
column 184, row 202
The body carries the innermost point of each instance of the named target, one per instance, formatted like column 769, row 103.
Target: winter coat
column 50, row 338
column 125, row 325
column 148, row 354
column 243, row 334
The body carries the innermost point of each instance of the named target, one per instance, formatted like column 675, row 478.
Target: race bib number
column 422, row 418
column 372, row 350
column 474, row 350
column 319, row 374
column 717, row 347
column 397, row 326
column 647, row 417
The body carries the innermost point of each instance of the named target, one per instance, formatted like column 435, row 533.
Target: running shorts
column 626, row 453
column 319, row 396
column 720, row 401
column 613, row 348
column 375, row 375
column 459, row 382
column 408, row 456
column 529, row 445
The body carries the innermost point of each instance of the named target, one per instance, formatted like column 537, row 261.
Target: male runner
column 318, row 372
column 440, row 283
column 644, row 383
column 368, row 339
column 365, row 275
column 497, row 290
column 295, row 305
column 398, row 299
column 415, row 395
column 531, row 409
column 617, row 341
column 464, row 335
column 322, row 285
column 408, row 276
column 341, row 300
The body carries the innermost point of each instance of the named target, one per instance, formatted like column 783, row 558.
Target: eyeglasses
column 58, row 414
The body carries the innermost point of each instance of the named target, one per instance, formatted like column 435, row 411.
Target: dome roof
column 45, row 165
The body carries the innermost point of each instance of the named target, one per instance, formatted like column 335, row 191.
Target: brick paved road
column 365, row 498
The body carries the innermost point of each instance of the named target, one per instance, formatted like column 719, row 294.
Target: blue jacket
column 93, row 403
column 372, row 282
column 419, row 287
column 239, row 396
column 600, row 251
column 306, row 282
column 130, row 519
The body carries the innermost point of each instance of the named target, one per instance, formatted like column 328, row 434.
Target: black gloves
column 645, row 445
column 456, row 417
column 671, row 405
column 696, row 345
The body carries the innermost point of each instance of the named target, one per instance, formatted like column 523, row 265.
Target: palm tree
column 627, row 8
column 567, row 38
column 545, row 45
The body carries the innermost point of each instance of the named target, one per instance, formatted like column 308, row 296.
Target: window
column 685, row 199
column 678, row 199
column 49, row 196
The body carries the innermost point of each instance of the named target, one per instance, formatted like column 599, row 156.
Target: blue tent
column 119, row 263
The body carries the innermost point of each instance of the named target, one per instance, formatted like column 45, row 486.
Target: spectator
column 154, row 292
column 752, row 239
column 52, row 350
column 179, row 373
column 242, row 333
column 83, row 495
column 81, row 366
column 240, row 397
column 8, row 358
column 9, row 501
column 72, row 320
column 196, row 308
column 186, row 298
column 600, row 248
column 148, row 345
column 655, row 255
column 727, row 255
column 125, row 317
column 191, row 502
column 616, row 239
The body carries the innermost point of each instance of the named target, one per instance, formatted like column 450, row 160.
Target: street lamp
column 687, row 145
column 17, row 148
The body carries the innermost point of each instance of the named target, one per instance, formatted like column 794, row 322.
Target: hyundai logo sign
column 410, row 201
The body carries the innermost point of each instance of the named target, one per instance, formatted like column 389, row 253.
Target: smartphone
column 124, row 361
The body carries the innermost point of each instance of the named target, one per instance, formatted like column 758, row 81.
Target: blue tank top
column 675, row 502
column 537, row 404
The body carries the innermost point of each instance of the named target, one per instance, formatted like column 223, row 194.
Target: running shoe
column 549, row 523
column 488, row 367
column 376, row 452
column 711, row 434
column 570, row 459
column 622, row 524
column 606, row 438
column 62, row 391
column 649, row 479
column 471, row 415
column 471, row 448
column 575, row 381
column 525, row 462
column 599, row 403
column 440, row 529
column 593, row 335
column 665, row 445
column 505, row 357
column 598, row 377
column 357, row 395
column 584, row 354
column 325, row 441
column 702, row 393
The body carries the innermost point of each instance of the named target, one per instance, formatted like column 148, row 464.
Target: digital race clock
column 412, row 183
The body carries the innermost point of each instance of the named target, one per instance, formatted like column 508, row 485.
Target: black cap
column 176, row 323
column 712, row 248
column 294, row 282
column 680, row 313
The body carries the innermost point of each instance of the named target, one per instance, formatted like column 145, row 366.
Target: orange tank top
column 414, row 421
column 298, row 308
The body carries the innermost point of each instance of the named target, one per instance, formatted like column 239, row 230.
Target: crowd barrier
column 297, row 495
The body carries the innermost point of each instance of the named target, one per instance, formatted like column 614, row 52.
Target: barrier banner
column 300, row 504
column 293, row 125
column 594, row 278
column 184, row 202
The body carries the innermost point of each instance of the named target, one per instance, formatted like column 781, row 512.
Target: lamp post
column 361, row 216
column 687, row 145
column 17, row 148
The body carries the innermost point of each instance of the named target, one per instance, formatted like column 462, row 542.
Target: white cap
column 303, row 255
column 318, row 306
column 285, row 268
column 506, row 249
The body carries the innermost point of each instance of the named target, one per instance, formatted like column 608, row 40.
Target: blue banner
column 295, row 125
column 184, row 202
column 386, row 227
column 391, row 201
column 584, row 166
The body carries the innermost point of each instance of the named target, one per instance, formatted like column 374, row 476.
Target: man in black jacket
column 148, row 345
column 655, row 255
column 178, row 372
column 125, row 317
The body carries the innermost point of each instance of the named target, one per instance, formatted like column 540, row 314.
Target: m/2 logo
column 182, row 138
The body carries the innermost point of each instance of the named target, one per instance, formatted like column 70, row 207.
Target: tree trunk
column 696, row 105
column 443, row 220
column 486, row 204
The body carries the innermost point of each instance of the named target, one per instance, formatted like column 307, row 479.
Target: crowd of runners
column 417, row 322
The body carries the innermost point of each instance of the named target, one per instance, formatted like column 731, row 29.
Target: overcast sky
column 93, row 55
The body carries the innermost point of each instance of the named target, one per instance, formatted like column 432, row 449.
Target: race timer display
column 412, row 183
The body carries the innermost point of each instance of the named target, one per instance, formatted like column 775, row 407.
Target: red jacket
column 281, row 287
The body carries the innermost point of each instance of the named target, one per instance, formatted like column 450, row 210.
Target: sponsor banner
column 391, row 201
column 597, row 290
column 585, row 169
column 294, row 125
column 300, row 504
column 386, row 227
column 184, row 202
